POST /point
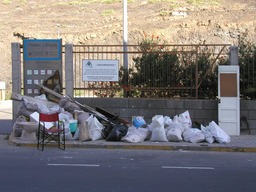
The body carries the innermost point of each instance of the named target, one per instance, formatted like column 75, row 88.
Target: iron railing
column 195, row 80
column 191, row 70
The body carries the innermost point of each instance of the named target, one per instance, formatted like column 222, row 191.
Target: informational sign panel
column 42, row 60
column 100, row 70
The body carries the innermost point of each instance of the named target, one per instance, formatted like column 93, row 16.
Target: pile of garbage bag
column 89, row 127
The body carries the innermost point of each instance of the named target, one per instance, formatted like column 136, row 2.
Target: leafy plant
column 155, row 68
column 247, row 59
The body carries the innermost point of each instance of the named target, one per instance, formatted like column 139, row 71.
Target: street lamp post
column 125, row 43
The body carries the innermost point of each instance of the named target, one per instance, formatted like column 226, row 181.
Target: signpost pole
column 125, row 43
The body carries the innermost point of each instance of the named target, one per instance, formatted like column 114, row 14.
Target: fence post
column 69, row 74
column 16, row 76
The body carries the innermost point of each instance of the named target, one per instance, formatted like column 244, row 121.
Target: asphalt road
column 105, row 170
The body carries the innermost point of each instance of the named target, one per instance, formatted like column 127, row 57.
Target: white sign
column 100, row 70
column 2, row 85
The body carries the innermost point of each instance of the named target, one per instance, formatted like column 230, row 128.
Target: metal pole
column 125, row 43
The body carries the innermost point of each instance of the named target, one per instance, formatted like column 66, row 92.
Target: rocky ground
column 84, row 22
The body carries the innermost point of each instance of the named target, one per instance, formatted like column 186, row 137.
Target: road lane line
column 178, row 167
column 73, row 165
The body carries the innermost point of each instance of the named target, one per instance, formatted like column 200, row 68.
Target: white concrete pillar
column 69, row 74
column 16, row 76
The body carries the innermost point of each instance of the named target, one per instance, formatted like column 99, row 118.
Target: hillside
column 85, row 22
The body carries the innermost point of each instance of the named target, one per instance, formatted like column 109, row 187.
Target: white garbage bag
column 167, row 121
column 207, row 133
column 49, row 110
column 95, row 128
column 136, row 135
column 218, row 133
column 177, row 124
column 174, row 134
column 185, row 119
column 157, row 128
column 193, row 135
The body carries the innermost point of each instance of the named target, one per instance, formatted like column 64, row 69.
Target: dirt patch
column 101, row 23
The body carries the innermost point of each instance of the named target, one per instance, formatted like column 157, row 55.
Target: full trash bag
column 185, row 119
column 95, row 128
column 207, row 133
column 138, row 121
column 106, row 130
column 136, row 135
column 193, row 135
column 84, row 132
column 174, row 134
column 157, row 128
column 117, row 133
column 218, row 133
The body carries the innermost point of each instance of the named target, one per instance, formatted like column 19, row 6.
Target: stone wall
column 202, row 111
column 248, row 110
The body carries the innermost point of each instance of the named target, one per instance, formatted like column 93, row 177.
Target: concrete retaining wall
column 248, row 110
column 202, row 111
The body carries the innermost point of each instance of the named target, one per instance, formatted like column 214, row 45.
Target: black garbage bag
column 118, row 131
column 106, row 130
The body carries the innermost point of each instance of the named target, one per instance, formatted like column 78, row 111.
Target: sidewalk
column 242, row 143
column 5, row 117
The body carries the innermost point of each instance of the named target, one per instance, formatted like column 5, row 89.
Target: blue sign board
column 42, row 49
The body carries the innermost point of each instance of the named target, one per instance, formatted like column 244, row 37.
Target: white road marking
column 178, row 167
column 74, row 165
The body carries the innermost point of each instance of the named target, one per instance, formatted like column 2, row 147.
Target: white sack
column 167, row 121
column 42, row 97
column 218, row 133
column 49, row 110
column 84, row 132
column 81, row 116
column 136, row 135
column 174, row 134
column 193, row 135
column 185, row 119
column 157, row 128
column 207, row 133
column 95, row 128
column 177, row 125
column 65, row 117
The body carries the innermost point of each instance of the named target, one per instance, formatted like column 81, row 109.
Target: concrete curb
column 167, row 146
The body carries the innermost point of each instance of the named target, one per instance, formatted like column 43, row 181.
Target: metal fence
column 159, row 71
column 190, row 76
